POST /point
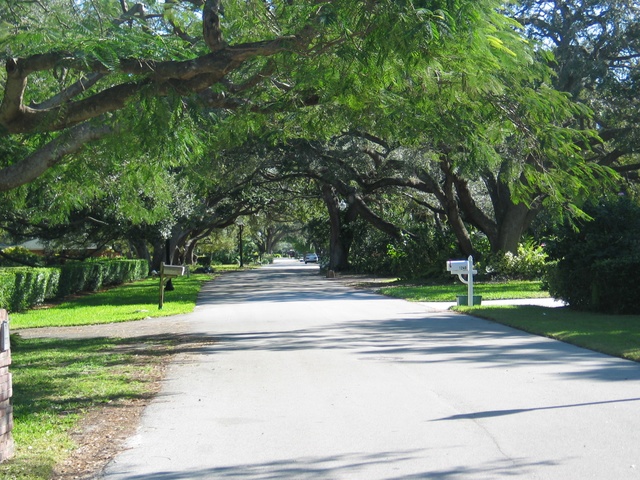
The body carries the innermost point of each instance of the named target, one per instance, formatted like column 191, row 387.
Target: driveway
column 310, row 379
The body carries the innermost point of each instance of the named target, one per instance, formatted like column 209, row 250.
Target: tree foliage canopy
column 152, row 112
column 596, row 49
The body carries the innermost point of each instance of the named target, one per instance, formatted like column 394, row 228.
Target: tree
column 453, row 81
column 479, row 111
column 596, row 264
column 596, row 56
column 64, row 88
column 73, row 76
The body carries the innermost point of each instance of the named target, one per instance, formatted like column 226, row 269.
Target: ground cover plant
column 617, row 335
column 448, row 292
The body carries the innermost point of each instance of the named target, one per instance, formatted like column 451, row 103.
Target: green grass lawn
column 55, row 382
column 448, row 292
column 617, row 335
column 133, row 301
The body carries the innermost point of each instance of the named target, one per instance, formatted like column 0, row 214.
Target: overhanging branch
column 51, row 154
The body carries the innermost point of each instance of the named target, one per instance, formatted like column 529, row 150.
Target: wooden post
column 161, row 302
column 167, row 272
column 7, row 446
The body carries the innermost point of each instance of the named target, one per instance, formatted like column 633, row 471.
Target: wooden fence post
column 6, row 391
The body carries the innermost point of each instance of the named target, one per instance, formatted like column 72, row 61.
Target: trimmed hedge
column 24, row 287
column 615, row 287
column 596, row 267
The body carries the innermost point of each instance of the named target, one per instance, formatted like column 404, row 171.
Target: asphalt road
column 313, row 380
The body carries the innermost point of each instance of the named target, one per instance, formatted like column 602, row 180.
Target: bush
column 20, row 257
column 24, row 287
column 421, row 256
column 92, row 275
column 78, row 277
column 7, row 286
column 596, row 265
column 268, row 258
column 529, row 264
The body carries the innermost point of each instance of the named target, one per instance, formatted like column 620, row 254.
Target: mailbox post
column 166, row 273
column 460, row 268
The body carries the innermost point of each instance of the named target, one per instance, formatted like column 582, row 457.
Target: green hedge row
column 24, row 287
column 595, row 267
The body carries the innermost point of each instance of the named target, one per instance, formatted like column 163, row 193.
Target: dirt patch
column 101, row 435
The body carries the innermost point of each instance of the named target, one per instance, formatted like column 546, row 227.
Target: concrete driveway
column 310, row 379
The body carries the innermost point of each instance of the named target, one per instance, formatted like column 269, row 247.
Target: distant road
column 313, row 380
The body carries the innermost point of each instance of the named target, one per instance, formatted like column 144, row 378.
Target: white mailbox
column 172, row 270
column 457, row 266
column 460, row 268
column 166, row 273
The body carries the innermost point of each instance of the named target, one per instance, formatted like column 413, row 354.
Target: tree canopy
column 172, row 118
column 596, row 57
column 77, row 72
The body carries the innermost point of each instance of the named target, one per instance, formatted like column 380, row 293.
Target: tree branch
column 183, row 77
column 67, row 94
column 53, row 153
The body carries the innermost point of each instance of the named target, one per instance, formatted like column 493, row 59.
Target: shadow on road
column 500, row 413
column 416, row 337
column 435, row 338
column 338, row 466
column 293, row 284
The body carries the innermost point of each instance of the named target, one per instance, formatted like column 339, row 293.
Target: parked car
column 310, row 258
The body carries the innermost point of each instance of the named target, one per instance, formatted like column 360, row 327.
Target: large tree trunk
column 445, row 193
column 512, row 219
column 273, row 238
column 158, row 254
column 179, row 240
column 513, row 225
column 449, row 201
column 139, row 246
column 163, row 251
column 189, row 252
column 338, row 249
column 459, row 228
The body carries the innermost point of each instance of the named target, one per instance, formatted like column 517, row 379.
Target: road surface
column 310, row 379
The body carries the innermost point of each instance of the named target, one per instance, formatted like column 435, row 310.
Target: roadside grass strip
column 55, row 382
column 133, row 301
column 448, row 292
column 616, row 335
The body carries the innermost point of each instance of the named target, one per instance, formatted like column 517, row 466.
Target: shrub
column 267, row 258
column 596, row 265
column 421, row 256
column 529, row 264
column 7, row 285
column 91, row 276
column 24, row 287
column 20, row 257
